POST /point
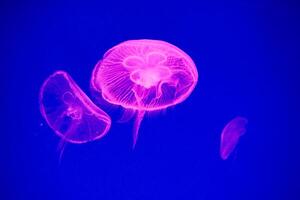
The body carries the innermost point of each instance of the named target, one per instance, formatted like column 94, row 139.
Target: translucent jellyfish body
column 231, row 134
column 69, row 112
column 144, row 75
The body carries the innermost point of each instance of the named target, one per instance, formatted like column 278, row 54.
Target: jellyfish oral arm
column 136, row 126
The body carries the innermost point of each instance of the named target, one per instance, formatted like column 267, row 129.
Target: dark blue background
column 246, row 54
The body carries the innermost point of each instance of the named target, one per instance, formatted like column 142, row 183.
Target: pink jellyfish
column 144, row 75
column 231, row 135
column 69, row 112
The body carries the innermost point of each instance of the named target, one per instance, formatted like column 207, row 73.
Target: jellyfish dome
column 70, row 112
column 144, row 75
column 231, row 134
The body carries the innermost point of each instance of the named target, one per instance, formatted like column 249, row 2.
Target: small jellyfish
column 231, row 135
column 144, row 75
column 69, row 112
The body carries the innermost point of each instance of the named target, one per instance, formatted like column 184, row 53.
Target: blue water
column 245, row 52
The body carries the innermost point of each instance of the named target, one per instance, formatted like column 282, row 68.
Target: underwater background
column 247, row 56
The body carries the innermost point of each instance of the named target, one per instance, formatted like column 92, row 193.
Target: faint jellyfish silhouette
column 231, row 135
column 144, row 75
column 69, row 112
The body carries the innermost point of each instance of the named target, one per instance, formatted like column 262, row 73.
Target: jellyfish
column 69, row 112
column 231, row 135
column 143, row 76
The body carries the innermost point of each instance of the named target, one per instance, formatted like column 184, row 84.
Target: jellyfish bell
column 231, row 134
column 143, row 76
column 69, row 111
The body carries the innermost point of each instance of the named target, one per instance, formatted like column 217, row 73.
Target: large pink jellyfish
column 231, row 135
column 144, row 75
column 69, row 112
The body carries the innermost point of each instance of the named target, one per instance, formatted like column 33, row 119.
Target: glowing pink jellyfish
column 231, row 135
column 144, row 75
column 69, row 112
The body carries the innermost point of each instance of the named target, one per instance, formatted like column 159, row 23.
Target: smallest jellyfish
column 69, row 111
column 231, row 135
